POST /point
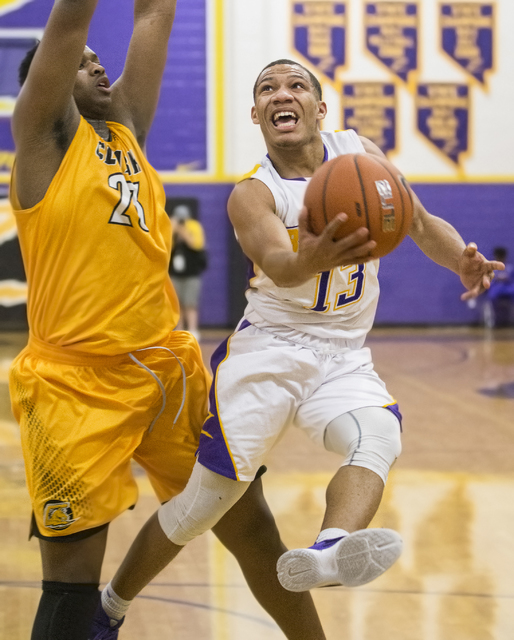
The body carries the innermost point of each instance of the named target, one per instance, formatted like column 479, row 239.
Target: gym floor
column 450, row 495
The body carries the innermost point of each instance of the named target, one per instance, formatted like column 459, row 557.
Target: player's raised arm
column 265, row 240
column 443, row 244
column 136, row 93
column 45, row 110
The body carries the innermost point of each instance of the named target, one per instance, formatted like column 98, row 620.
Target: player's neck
column 298, row 162
column 101, row 128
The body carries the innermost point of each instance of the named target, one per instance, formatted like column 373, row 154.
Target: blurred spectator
column 188, row 261
column 499, row 299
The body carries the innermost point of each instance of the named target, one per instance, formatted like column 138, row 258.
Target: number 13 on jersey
column 327, row 296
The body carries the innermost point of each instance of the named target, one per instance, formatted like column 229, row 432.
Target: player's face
column 287, row 107
column 92, row 91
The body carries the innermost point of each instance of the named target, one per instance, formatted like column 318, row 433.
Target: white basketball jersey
column 336, row 305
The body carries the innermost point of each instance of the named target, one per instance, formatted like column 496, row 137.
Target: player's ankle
column 114, row 606
column 331, row 534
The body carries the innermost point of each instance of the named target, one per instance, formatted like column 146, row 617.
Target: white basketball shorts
column 263, row 384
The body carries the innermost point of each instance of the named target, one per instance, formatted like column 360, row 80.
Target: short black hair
column 23, row 69
column 312, row 77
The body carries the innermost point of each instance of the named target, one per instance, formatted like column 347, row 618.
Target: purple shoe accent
column 102, row 629
column 325, row 544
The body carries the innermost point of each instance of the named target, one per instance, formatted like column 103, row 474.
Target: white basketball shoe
column 352, row 560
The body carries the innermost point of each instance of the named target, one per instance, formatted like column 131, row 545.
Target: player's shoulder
column 251, row 191
column 250, row 174
column 342, row 141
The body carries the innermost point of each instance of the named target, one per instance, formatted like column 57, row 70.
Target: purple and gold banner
column 392, row 35
column 443, row 116
column 467, row 35
column 370, row 109
column 319, row 30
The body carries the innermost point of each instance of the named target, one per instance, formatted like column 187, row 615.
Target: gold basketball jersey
column 96, row 249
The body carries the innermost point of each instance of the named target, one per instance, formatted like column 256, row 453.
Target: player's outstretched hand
column 476, row 272
column 324, row 252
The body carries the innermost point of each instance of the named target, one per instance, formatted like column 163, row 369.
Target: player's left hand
column 476, row 272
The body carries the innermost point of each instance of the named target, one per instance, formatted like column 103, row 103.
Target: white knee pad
column 368, row 437
column 204, row 501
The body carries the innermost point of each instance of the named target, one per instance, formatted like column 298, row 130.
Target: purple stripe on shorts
column 212, row 449
column 393, row 408
column 244, row 324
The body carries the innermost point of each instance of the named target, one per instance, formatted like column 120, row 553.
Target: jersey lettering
column 127, row 163
column 129, row 192
column 110, row 157
column 355, row 288
column 356, row 280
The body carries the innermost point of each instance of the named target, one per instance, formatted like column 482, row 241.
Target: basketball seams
column 363, row 191
column 353, row 188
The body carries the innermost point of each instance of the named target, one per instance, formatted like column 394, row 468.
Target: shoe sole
column 360, row 558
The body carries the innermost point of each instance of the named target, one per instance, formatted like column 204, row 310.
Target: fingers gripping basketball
column 370, row 190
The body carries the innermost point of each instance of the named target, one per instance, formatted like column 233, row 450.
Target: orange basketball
column 370, row 190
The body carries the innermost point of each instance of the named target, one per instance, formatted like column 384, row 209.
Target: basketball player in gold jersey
column 103, row 379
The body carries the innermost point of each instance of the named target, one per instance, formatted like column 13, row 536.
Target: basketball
column 370, row 190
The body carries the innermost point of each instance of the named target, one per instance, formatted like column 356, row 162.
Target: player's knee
column 369, row 437
column 206, row 498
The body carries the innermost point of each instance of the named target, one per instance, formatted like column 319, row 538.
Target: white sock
column 114, row 606
column 330, row 534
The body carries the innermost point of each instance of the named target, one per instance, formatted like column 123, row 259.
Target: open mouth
column 284, row 120
column 104, row 85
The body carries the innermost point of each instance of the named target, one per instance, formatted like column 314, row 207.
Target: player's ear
column 322, row 110
column 255, row 117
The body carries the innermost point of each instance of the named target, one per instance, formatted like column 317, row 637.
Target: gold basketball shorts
column 84, row 418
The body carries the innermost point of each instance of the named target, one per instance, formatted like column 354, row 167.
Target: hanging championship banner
column 370, row 109
column 392, row 35
column 467, row 32
column 443, row 116
column 319, row 33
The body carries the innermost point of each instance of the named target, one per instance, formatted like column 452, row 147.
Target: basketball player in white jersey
column 297, row 357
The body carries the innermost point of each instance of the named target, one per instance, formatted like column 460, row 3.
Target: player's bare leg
column 346, row 552
column 148, row 555
column 353, row 497
column 139, row 567
column 249, row 531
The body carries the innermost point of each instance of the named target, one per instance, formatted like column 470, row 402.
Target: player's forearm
column 76, row 13
column 438, row 240
column 163, row 9
column 286, row 269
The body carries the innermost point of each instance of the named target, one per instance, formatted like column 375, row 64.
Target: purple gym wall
column 414, row 290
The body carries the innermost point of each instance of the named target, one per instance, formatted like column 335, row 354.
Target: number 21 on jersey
column 129, row 193
column 326, row 297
